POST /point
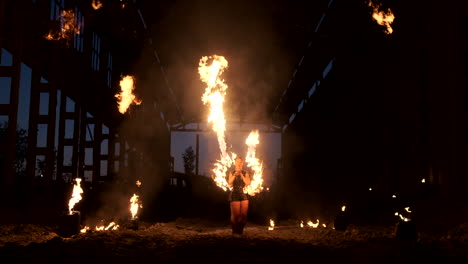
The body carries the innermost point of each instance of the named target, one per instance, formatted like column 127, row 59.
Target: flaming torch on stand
column 70, row 222
column 135, row 203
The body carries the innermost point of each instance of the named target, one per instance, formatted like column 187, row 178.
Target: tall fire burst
column 383, row 18
column 210, row 70
column 76, row 195
column 126, row 97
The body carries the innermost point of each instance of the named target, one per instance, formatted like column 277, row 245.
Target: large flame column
column 214, row 98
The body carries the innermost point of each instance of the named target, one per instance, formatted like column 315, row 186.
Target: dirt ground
column 195, row 240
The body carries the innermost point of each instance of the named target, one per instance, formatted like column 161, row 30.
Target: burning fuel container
column 69, row 224
column 134, row 224
column 406, row 230
column 341, row 222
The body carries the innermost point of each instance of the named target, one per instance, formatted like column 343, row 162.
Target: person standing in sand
column 239, row 200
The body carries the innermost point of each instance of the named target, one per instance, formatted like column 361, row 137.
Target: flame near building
column 383, row 18
column 68, row 27
column 214, row 96
column 126, row 97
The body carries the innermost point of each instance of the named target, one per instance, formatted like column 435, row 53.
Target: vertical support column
column 197, row 154
column 33, row 121
column 61, row 137
column 79, row 139
column 50, row 152
column 9, row 169
column 96, row 144
column 111, row 154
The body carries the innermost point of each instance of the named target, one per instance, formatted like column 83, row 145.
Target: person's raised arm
column 231, row 178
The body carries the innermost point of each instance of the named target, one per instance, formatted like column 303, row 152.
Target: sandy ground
column 195, row 240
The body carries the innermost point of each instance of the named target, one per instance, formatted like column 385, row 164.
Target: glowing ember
column 310, row 223
column 85, row 229
column 68, row 27
column 423, row 180
column 126, row 96
column 302, row 224
column 76, row 195
column 138, row 183
column 214, row 97
column 343, row 208
column 324, row 225
column 370, row 189
column 393, row 196
column 407, row 209
column 253, row 162
column 396, row 213
column 272, row 225
column 404, row 218
column 96, row 4
column 383, row 18
column 134, row 205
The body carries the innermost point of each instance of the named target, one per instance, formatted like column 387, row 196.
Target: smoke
column 241, row 31
column 184, row 31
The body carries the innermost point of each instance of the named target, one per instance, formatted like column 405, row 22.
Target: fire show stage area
column 199, row 241
column 101, row 101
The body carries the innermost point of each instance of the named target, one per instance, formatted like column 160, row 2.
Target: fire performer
column 238, row 180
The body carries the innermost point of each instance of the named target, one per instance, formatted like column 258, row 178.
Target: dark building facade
column 365, row 109
column 59, row 113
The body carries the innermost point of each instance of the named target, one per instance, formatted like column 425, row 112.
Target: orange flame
column 134, row 205
column 68, row 27
column 272, row 225
column 310, row 223
column 126, row 97
column 76, row 195
column 257, row 167
column 96, row 4
column 214, row 96
column 383, row 18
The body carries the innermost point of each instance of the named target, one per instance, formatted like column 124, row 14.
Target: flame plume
column 214, row 97
column 383, row 18
column 96, row 4
column 257, row 167
column 135, row 203
column 311, row 224
column 68, row 27
column 272, row 225
column 126, row 97
column 76, row 195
